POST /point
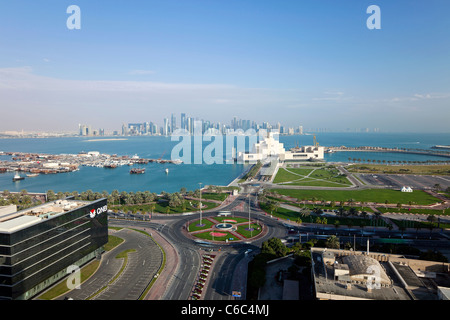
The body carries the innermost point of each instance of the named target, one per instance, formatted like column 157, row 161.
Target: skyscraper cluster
column 195, row 125
column 86, row 130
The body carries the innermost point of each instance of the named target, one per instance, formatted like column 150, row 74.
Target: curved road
column 180, row 284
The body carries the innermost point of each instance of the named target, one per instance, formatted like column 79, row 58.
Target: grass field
column 243, row 230
column 237, row 219
column 207, row 236
column 214, row 196
column 368, row 195
column 307, row 176
column 194, row 226
column 401, row 169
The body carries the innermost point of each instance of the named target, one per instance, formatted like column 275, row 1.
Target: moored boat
column 32, row 175
column 137, row 170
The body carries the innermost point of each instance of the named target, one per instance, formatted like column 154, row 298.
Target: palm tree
column 152, row 207
column 341, row 211
column 352, row 211
column 432, row 219
column 332, row 242
column 336, row 225
column 274, row 205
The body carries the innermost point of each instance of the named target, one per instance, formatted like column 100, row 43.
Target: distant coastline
column 116, row 139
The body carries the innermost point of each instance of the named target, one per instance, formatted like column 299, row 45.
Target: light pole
column 249, row 227
column 200, row 204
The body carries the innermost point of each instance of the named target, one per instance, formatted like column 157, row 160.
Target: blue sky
column 312, row 63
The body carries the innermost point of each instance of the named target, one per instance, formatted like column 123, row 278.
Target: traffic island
column 224, row 229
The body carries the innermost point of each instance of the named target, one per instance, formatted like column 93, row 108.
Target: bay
column 186, row 175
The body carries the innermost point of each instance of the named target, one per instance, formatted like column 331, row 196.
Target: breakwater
column 437, row 153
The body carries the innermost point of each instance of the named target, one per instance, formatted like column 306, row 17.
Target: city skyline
column 313, row 63
column 187, row 123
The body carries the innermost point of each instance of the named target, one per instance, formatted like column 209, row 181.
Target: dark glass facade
column 31, row 255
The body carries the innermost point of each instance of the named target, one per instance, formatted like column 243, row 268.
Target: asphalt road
column 144, row 262
column 189, row 252
column 142, row 266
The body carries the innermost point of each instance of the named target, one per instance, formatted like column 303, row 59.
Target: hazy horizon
column 309, row 63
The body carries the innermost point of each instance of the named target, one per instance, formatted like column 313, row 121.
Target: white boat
column 17, row 177
column 167, row 170
column 32, row 175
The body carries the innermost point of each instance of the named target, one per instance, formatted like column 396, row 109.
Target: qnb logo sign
column 97, row 211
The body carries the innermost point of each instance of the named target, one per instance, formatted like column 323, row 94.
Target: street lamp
column 200, row 204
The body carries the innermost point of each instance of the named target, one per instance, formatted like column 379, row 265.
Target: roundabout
column 222, row 230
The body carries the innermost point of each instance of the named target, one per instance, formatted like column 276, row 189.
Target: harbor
column 108, row 167
column 38, row 163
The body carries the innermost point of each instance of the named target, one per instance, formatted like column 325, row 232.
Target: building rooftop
column 348, row 275
column 11, row 222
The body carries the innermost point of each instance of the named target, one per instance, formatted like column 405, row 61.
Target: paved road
column 142, row 265
column 184, row 256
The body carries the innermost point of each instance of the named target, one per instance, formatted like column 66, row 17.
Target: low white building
column 407, row 189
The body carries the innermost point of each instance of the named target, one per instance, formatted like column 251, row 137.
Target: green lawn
column 368, row 195
column 215, row 196
column 237, row 219
column 287, row 214
column 282, row 213
column 284, row 175
column 193, row 226
column 323, row 177
column 207, row 236
column 242, row 230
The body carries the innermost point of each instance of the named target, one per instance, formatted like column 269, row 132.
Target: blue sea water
column 185, row 175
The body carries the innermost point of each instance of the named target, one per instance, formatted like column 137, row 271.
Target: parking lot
column 420, row 182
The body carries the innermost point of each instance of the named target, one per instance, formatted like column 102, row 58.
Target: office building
column 39, row 244
column 183, row 121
